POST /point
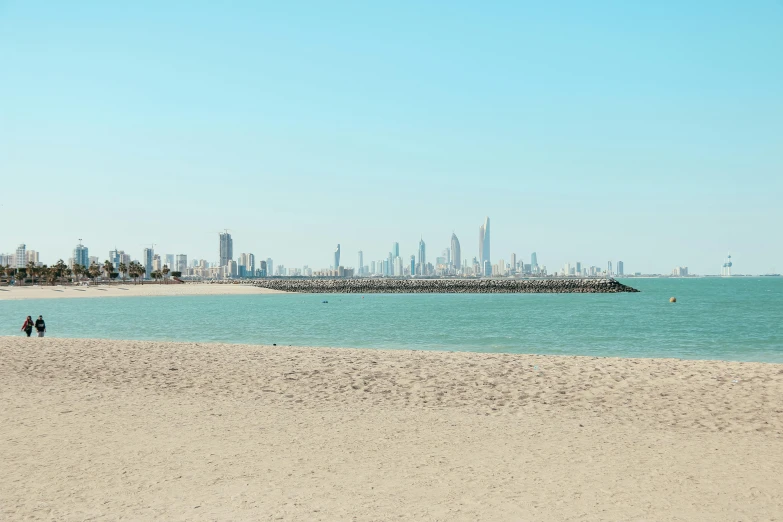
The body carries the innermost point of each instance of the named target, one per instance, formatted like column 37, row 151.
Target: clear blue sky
column 650, row 132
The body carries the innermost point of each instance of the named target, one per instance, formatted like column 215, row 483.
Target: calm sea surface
column 734, row 319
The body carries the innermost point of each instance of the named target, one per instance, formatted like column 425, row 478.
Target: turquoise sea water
column 733, row 319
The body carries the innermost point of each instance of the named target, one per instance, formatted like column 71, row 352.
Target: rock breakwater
column 446, row 286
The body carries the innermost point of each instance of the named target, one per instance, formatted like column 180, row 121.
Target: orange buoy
column 672, row 299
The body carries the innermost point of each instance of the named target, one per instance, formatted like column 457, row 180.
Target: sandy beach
column 94, row 429
column 128, row 290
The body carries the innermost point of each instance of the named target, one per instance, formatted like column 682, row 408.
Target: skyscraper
column 270, row 268
column 413, row 265
column 146, row 259
column 533, row 261
column 114, row 257
column 609, row 268
column 170, row 261
column 513, row 263
column 361, row 262
column 456, row 253
column 422, row 257
column 619, row 268
column 395, row 249
column 21, row 256
column 337, row 256
column 81, row 255
column 226, row 248
column 484, row 242
column 180, row 264
column 251, row 264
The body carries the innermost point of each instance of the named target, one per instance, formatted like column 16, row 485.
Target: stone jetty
column 446, row 286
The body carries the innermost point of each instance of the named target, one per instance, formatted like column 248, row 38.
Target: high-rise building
column 180, row 264
column 226, row 248
column 487, row 268
column 398, row 266
column 81, row 255
column 609, row 268
column 620, row 268
column 422, row 257
column 251, row 264
column 337, row 256
column 114, row 257
column 157, row 263
column 534, row 261
column 484, row 241
column 146, row 261
column 361, row 262
column 242, row 260
column 270, row 268
column 413, row 265
column 262, row 270
column 169, row 259
column 395, row 249
column 578, row 268
column 31, row 256
column 513, row 264
column 455, row 251
column 21, row 256
column 232, row 268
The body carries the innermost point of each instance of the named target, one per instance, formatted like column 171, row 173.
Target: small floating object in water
column 324, row 301
column 672, row 299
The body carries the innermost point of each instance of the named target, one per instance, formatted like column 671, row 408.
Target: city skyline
column 481, row 112
column 245, row 265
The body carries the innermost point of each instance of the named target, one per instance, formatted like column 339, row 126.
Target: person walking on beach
column 27, row 327
column 40, row 326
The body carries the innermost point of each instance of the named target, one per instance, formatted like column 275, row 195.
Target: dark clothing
column 40, row 325
column 28, row 327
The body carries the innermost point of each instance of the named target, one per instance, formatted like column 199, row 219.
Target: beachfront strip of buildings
column 449, row 264
column 246, row 266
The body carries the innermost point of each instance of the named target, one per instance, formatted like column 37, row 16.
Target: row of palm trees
column 60, row 271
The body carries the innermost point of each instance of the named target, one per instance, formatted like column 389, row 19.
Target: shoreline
column 203, row 431
column 250, row 345
column 128, row 290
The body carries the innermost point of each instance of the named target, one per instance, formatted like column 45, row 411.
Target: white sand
column 142, row 430
column 128, row 290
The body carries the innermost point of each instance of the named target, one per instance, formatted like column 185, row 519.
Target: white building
column 21, row 256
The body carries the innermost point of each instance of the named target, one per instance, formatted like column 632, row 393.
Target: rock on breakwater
column 446, row 286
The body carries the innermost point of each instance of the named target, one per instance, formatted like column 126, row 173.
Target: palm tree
column 59, row 269
column 77, row 270
column 141, row 269
column 32, row 269
column 67, row 272
column 108, row 267
column 123, row 269
column 49, row 273
column 165, row 271
column 21, row 274
column 94, row 271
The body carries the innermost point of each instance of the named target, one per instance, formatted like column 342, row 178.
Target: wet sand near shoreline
column 191, row 431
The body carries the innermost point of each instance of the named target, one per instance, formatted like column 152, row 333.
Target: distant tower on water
column 726, row 269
